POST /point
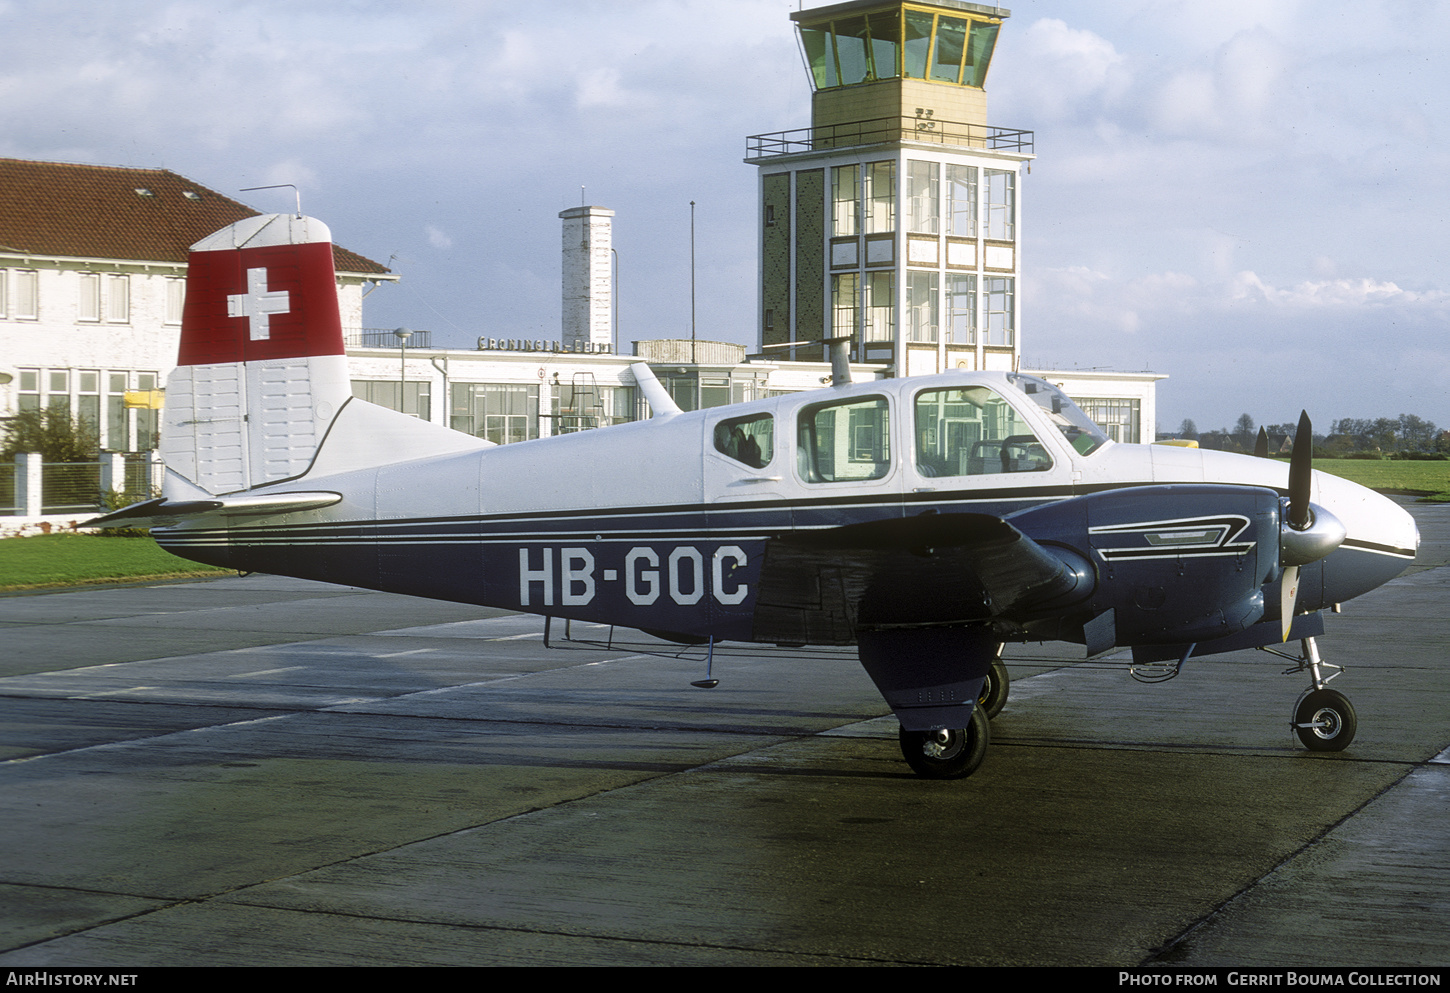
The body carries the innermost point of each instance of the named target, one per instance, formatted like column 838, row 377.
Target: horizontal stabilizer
column 163, row 511
column 924, row 571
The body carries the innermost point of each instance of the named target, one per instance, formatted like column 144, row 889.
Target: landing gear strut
column 1324, row 719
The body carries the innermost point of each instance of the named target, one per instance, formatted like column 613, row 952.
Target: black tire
column 994, row 689
column 1325, row 721
column 954, row 753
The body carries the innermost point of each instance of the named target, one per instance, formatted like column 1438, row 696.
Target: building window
column 57, row 389
column 117, row 437
column 880, row 307
column 1000, row 196
column 175, row 300
column 413, row 397
column 1120, row 418
column 495, row 411
column 583, row 405
column 962, row 201
column 88, row 399
column 921, row 191
column 1001, row 308
column 921, row 306
column 148, row 419
column 88, row 306
column 4, row 285
column 29, row 393
column 118, row 300
column 961, row 309
column 27, row 294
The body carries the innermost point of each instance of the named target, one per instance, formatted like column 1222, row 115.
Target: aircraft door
column 747, row 493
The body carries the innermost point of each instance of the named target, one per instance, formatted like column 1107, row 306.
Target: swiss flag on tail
column 252, row 304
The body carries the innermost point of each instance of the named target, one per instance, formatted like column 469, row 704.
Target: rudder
column 262, row 368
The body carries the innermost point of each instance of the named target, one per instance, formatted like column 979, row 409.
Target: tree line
column 1406, row 435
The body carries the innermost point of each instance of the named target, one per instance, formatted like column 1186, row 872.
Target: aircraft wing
column 933, row 570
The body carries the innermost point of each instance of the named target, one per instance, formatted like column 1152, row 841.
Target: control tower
column 895, row 218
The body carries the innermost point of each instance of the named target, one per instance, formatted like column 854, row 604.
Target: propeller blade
column 1301, row 473
column 1261, row 447
column 1288, row 595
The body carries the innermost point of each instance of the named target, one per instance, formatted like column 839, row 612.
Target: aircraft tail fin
column 262, row 369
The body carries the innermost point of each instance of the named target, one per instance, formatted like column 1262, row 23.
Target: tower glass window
column 961, row 200
column 880, row 197
column 1001, row 203
column 880, row 307
column 921, row 189
column 845, row 200
column 1001, row 307
column 961, row 309
column 845, row 300
column 921, row 306
column 899, row 40
column 948, row 47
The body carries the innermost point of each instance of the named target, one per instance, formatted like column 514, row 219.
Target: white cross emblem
column 257, row 305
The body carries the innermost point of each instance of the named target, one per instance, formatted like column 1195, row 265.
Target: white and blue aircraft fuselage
column 926, row 519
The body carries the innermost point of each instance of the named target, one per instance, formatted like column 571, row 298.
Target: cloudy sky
column 1250, row 197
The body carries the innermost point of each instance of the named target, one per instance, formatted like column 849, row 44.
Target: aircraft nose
column 1381, row 538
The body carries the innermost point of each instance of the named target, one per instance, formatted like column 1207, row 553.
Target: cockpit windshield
column 1081, row 433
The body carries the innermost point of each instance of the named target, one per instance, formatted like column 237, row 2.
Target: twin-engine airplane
column 927, row 520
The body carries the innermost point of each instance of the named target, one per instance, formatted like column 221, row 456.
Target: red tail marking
column 250, row 304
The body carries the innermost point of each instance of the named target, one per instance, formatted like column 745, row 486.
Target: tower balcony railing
column 888, row 130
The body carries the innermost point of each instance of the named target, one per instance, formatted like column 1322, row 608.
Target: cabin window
column 750, row 440
column 845, row 441
column 974, row 432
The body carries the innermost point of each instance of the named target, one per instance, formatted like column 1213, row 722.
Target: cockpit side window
column 974, row 432
column 750, row 440
column 844, row 441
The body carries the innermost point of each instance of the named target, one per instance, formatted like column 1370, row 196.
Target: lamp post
column 403, row 334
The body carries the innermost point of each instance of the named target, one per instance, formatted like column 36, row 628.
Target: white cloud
column 437, row 237
column 1072, row 71
column 1337, row 293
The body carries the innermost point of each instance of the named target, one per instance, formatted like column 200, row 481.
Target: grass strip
column 78, row 559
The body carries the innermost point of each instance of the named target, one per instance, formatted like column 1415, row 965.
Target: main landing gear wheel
column 994, row 688
column 953, row 753
column 1325, row 721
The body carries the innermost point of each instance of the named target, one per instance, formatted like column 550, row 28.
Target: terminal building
column 894, row 220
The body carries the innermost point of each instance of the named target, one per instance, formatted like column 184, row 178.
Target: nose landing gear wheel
column 995, row 688
column 1325, row 721
column 953, row 753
